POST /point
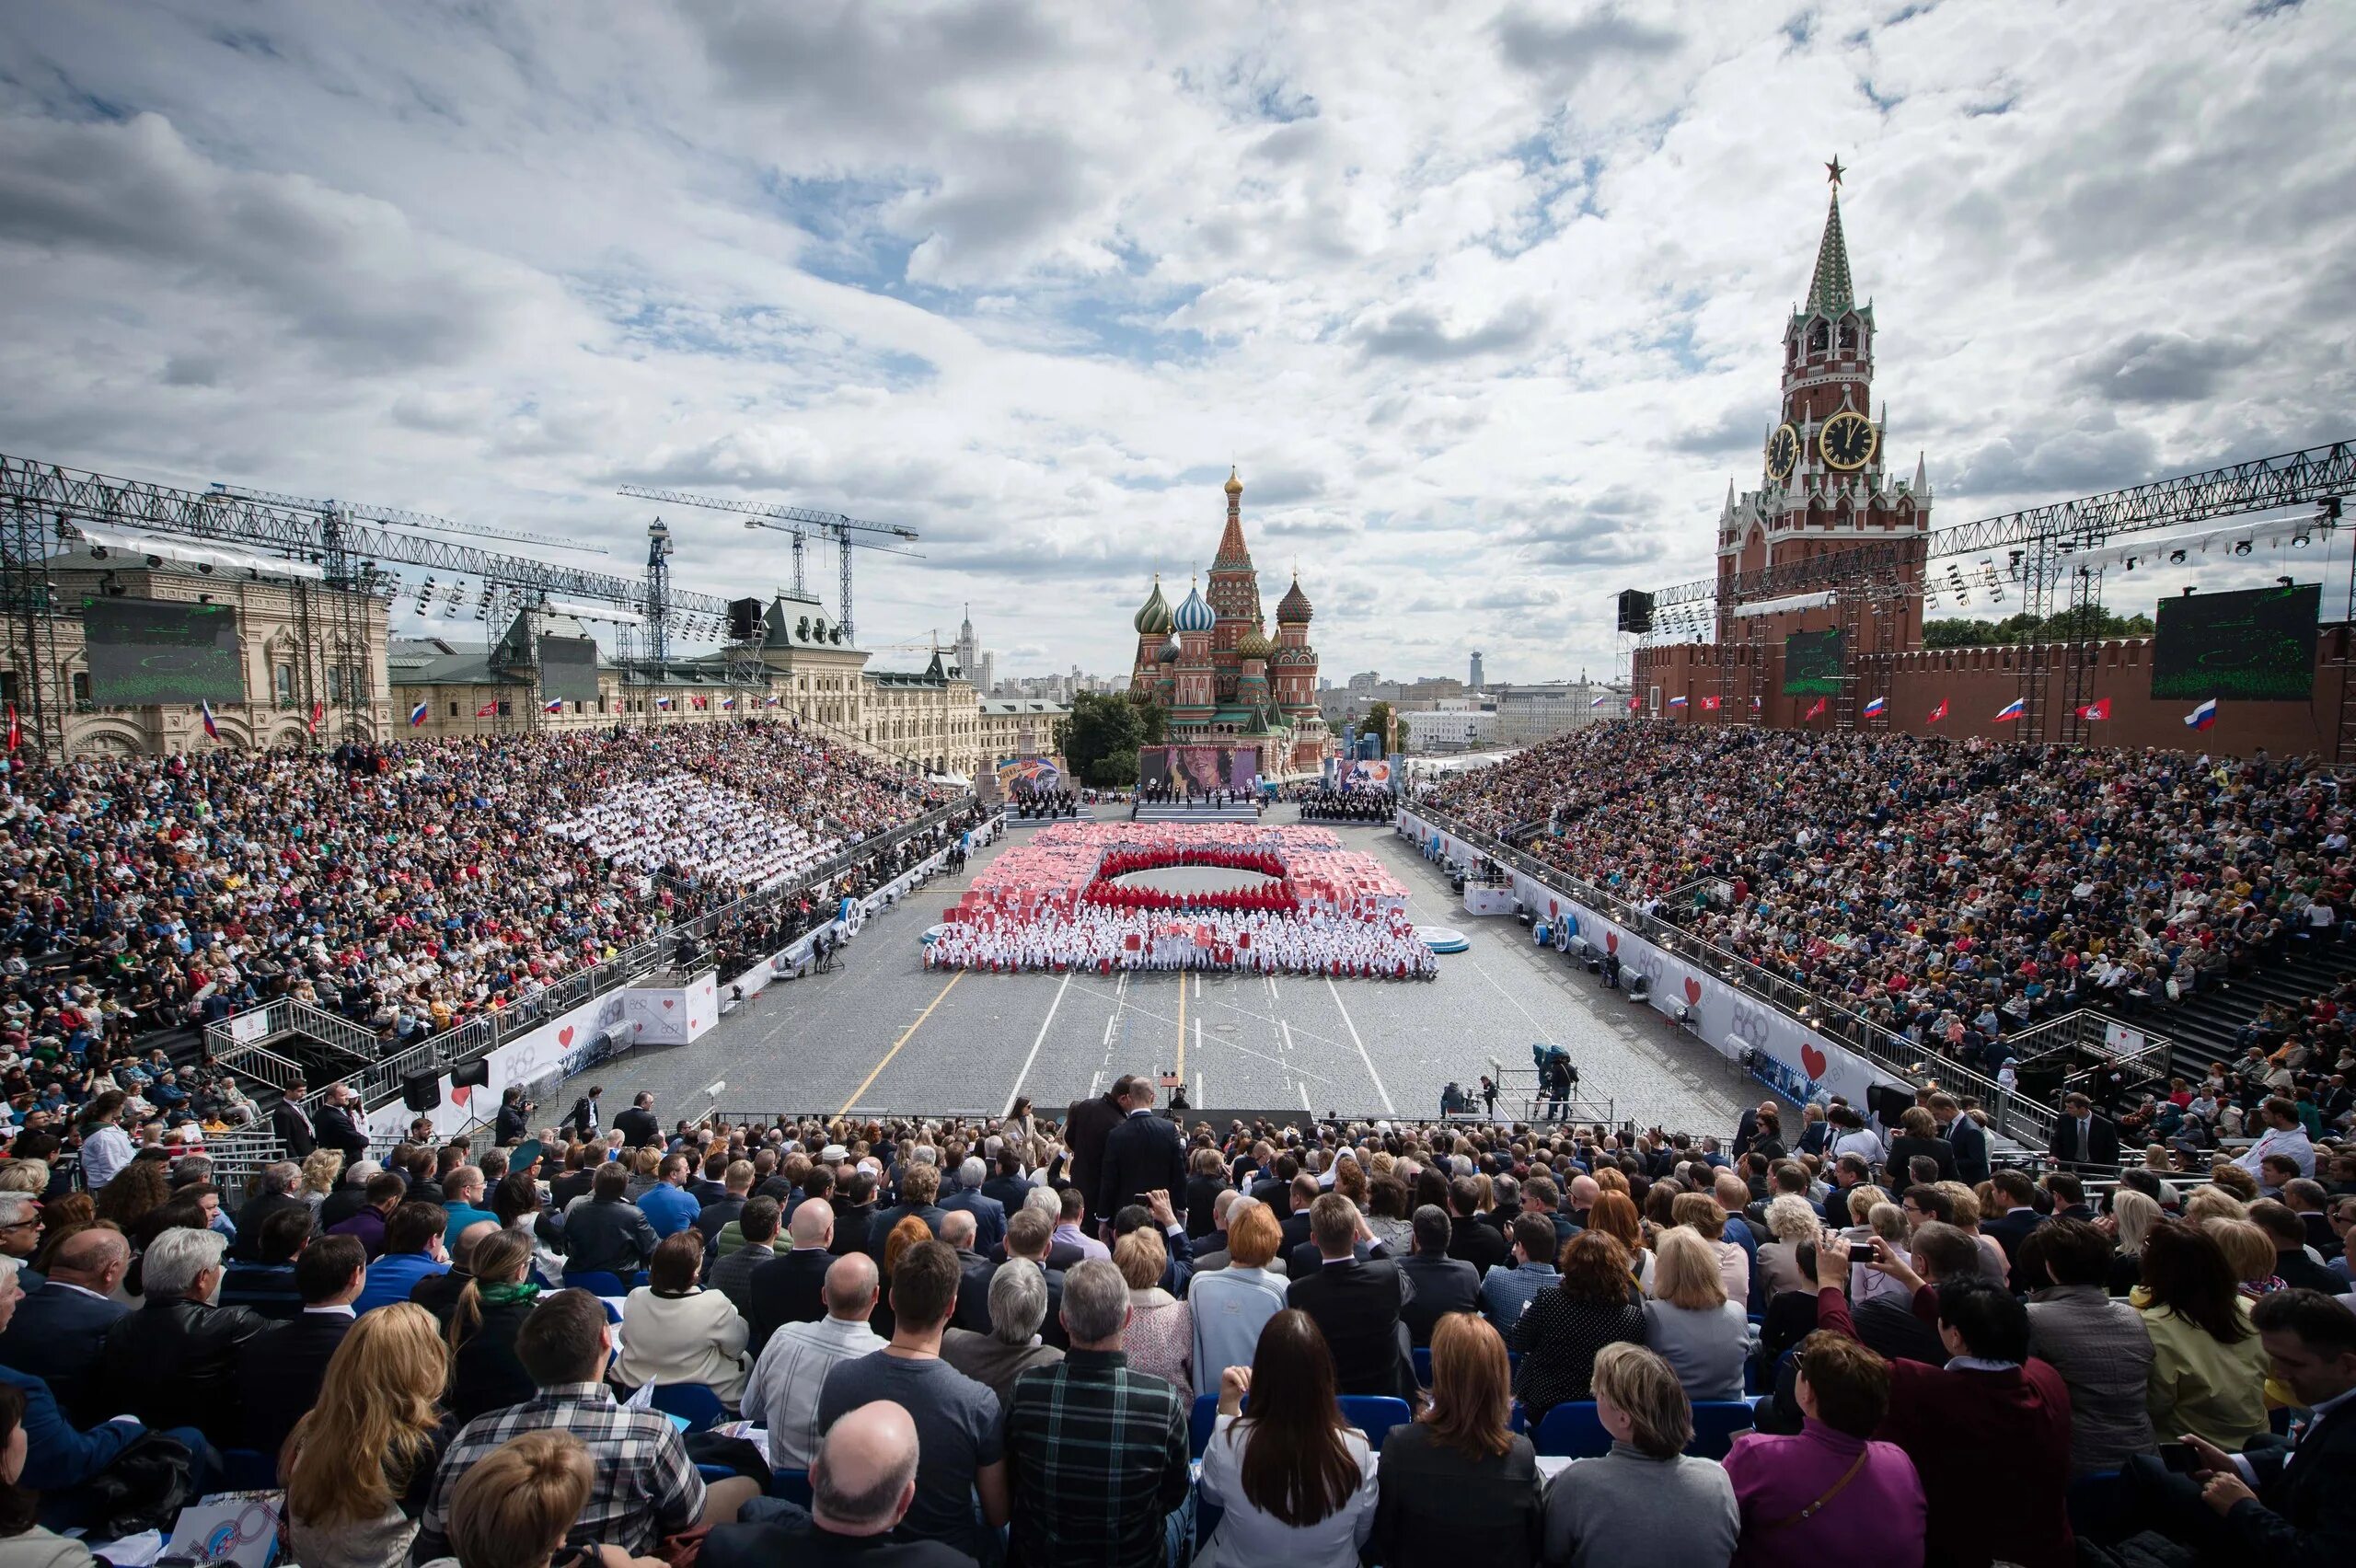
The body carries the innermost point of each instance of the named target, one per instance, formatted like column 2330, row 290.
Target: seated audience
column 2208, row 1363
column 360, row 1464
column 174, row 1362
column 59, row 1332
column 1160, row 1338
column 516, row 1504
column 1297, row 1482
column 2098, row 1345
column 673, row 1330
column 484, row 1321
column 1441, row 1283
column 1812, row 1496
column 1593, row 1303
column 1018, row 1303
column 1229, row 1306
column 282, row 1370
column 1691, row 1323
column 412, row 1251
column 1458, row 1483
column 863, row 1485
column 782, row 1392
column 1645, row 1501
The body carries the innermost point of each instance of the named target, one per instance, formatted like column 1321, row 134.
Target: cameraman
column 513, row 1123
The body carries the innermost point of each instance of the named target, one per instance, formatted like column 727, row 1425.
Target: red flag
column 1632, row 704
column 1940, row 712
column 1709, row 702
column 1815, row 710
column 16, row 735
column 2098, row 709
column 487, row 708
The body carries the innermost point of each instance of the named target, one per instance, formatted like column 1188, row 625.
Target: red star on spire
column 1834, row 169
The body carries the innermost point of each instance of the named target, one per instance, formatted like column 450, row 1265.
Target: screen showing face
column 146, row 651
column 1812, row 663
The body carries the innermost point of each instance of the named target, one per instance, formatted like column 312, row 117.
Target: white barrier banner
column 1795, row 1060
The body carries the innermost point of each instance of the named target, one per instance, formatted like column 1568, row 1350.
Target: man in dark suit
column 1027, row 1237
column 1145, row 1153
column 59, row 1332
column 989, row 1215
column 2083, row 1138
column 1468, row 1241
column 1441, row 1283
column 790, row 1288
column 1356, row 1305
column 1007, row 1186
column 281, row 1370
column 1304, row 1192
column 2288, row 1503
column 2015, row 1195
column 1970, row 1139
column 337, row 1126
column 292, row 1124
column 974, row 1273
column 277, row 1195
column 918, row 1186
column 2068, row 1195
column 1086, row 1126
column 637, row 1124
column 582, row 1117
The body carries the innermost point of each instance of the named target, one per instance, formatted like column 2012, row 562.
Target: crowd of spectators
column 1956, row 892
column 1116, row 1338
column 409, row 888
column 1348, row 805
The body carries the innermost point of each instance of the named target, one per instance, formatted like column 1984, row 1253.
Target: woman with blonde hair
column 515, row 1506
column 359, row 1467
column 485, row 1372
column 1699, row 1212
column 2211, row 1203
column 1645, row 1501
column 1458, row 1483
column 321, row 1168
column 2132, row 1216
column 1691, row 1322
column 1160, row 1335
column 1790, row 1221
column 2250, row 1251
column 1886, row 1221
column 24, row 1176
column 1614, row 1213
column 673, row 1330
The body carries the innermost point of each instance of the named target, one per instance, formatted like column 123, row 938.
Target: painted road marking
column 903, row 1040
column 1388, row 1109
column 1040, row 1039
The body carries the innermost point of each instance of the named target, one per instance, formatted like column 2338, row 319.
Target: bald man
column 58, row 1330
column 783, row 1392
column 789, row 1288
column 861, row 1484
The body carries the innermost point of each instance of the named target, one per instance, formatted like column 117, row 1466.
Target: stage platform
column 1164, row 811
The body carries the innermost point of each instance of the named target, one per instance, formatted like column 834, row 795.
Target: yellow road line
column 903, row 1040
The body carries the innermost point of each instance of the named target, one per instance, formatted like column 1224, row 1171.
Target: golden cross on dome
column 1834, row 169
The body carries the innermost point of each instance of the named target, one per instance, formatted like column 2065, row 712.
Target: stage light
column 2189, row 589
column 2299, row 541
column 2284, row 582
column 97, row 552
column 2175, row 558
column 2241, row 546
column 154, row 561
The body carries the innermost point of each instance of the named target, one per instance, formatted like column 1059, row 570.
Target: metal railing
column 2088, row 1028
column 378, row 1077
column 1894, row 1052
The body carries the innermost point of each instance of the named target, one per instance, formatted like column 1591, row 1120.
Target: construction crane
column 799, row 522
column 393, row 517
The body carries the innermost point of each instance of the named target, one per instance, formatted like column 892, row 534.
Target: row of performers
column 1110, row 895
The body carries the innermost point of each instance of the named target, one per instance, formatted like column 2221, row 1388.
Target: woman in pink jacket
column 1810, row 1498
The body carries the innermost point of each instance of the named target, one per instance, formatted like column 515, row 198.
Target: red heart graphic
column 667, row 1004
column 459, row 1094
column 1553, row 909
column 1612, row 941
column 1813, row 1060
column 564, row 1035
column 1692, row 991
column 691, row 1023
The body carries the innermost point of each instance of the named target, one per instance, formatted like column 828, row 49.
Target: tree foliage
column 1100, row 739
column 2075, row 624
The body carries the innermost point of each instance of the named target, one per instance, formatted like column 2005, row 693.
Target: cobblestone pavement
column 885, row 1035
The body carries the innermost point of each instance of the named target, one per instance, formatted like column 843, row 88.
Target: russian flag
column 1876, row 707
column 210, row 727
column 2012, row 711
column 417, row 716
column 1676, row 702
column 1600, row 701
column 769, row 702
column 727, row 702
column 553, row 705
column 662, row 702
column 2204, row 716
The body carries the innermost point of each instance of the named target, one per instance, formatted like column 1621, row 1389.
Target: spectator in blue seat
column 59, row 1332
column 412, row 1252
column 1644, row 1501
column 1689, row 1321
column 1458, row 1484
column 173, row 1363
column 668, row 1206
column 1296, row 1480
column 607, row 1234
column 1507, row 1293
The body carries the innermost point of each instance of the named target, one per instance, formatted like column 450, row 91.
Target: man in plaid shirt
column 646, row 1488
column 1098, row 1451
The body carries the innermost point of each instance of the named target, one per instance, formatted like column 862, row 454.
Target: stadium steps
column 2203, row 1029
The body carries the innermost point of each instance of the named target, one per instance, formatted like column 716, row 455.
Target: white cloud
column 1486, row 304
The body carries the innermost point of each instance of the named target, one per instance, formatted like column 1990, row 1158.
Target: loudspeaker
column 471, row 1074
column 743, row 619
column 1635, row 611
column 421, row 1091
column 1888, row 1103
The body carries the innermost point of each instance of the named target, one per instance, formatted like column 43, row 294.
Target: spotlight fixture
column 2189, row 589
column 97, row 552
column 2241, row 546
column 2299, row 540
column 2284, row 582
column 154, row 561
column 2175, row 558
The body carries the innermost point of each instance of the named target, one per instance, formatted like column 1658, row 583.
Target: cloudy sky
column 1483, row 300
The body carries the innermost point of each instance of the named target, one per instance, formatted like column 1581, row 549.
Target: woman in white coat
column 1297, row 1482
column 675, row 1332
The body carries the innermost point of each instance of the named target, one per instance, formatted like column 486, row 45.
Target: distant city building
column 1528, row 714
column 1452, row 729
column 1475, row 680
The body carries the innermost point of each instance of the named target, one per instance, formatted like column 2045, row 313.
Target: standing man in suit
column 290, row 1124
column 637, row 1124
column 2083, row 1138
column 2017, row 1194
column 1145, row 1153
column 789, row 1288
column 339, row 1125
column 1356, row 1304
column 1970, row 1140
column 59, row 1332
column 1086, row 1126
column 281, row 1370
column 583, row 1115
column 1437, row 1283
column 276, row 1194
column 990, row 1214
column 2288, row 1502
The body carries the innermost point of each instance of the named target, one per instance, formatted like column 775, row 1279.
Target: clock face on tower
column 1782, row 453
column 1846, row 441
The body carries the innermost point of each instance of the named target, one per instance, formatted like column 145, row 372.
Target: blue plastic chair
column 1572, row 1430
column 1375, row 1414
column 792, row 1485
column 1716, row 1423
column 596, row 1282
column 1422, row 1355
column 1199, row 1423
column 2098, row 1508
column 714, row 1472
column 693, row 1403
